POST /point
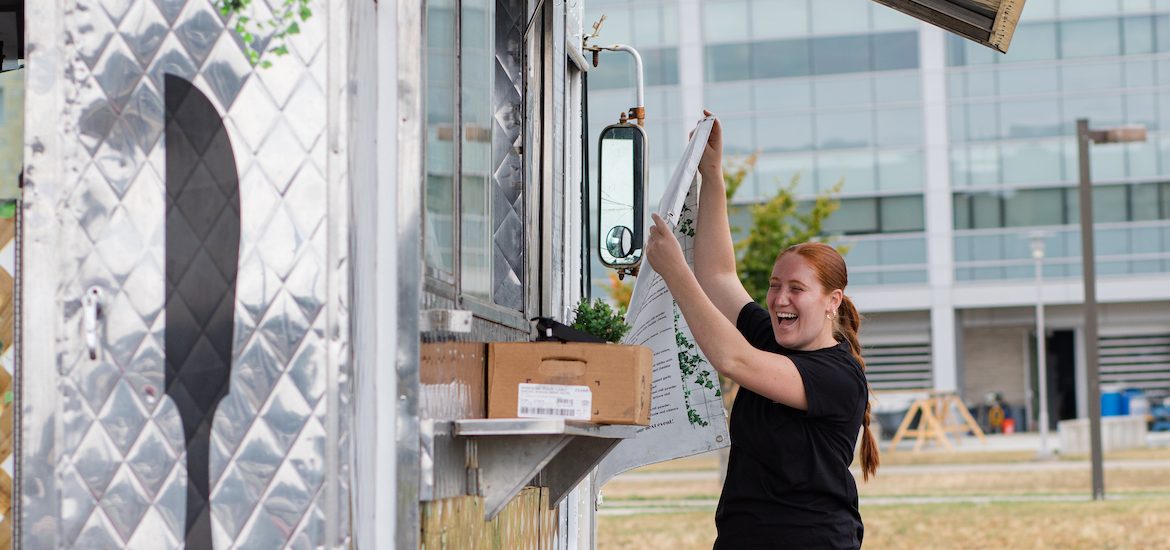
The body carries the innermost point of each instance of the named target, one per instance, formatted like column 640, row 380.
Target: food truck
column 261, row 250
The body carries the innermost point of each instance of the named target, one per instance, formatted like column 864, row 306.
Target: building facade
column 950, row 158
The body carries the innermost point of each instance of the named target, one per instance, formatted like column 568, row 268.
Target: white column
column 938, row 203
column 690, row 59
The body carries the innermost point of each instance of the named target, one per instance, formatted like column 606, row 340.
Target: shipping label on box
column 555, row 401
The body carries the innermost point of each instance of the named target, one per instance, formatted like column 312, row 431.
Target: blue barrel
column 1112, row 403
column 1129, row 394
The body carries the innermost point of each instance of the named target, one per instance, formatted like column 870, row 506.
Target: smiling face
column 799, row 305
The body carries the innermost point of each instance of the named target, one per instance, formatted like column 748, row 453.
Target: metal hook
column 91, row 311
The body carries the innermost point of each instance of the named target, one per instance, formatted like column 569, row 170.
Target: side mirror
column 621, row 182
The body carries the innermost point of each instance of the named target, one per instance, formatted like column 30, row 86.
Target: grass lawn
column 1131, row 523
column 636, row 512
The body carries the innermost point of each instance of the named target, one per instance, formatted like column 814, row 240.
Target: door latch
column 91, row 312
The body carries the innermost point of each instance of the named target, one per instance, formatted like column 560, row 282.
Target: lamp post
column 1037, row 242
column 1085, row 136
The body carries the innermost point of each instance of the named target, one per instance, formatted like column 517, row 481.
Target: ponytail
column 845, row 329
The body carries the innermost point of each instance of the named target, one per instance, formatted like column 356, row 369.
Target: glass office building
column 951, row 158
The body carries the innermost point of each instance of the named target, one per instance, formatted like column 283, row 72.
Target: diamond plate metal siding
column 120, row 460
column 508, row 207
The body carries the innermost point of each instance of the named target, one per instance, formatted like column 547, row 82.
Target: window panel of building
column 1090, row 38
column 729, row 99
column 725, row 20
column 1028, row 80
column 738, row 135
column 842, row 91
column 617, row 21
column 983, row 164
column 956, row 51
column 783, row 133
column 844, row 129
column 1111, row 203
column 1164, row 195
column 899, row 126
column 1029, row 207
column 779, row 18
column 900, row 170
column 982, row 121
column 960, row 173
column 1041, row 9
column 841, row 54
column 1070, row 39
column 779, row 172
column 978, row 54
column 615, row 71
column 1142, row 108
column 895, row 51
column 854, row 168
column 888, row 19
column 1140, row 73
column 1162, row 32
column 1145, row 205
column 1107, row 163
column 957, row 123
column 1163, row 144
column 961, row 214
column 903, row 214
column 780, row 58
column 855, row 216
column 1085, row 77
column 1029, row 118
column 897, row 87
column 656, row 25
column 1033, row 42
column 1138, row 35
column 981, row 83
column 1075, row 8
column 782, row 95
column 660, row 67
column 1102, row 111
column 986, row 211
column 1141, row 160
column 1032, row 162
column 838, row 16
column 726, row 62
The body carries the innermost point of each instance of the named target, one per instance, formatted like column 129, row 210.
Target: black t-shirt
column 788, row 481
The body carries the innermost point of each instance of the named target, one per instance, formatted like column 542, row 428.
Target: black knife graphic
column 202, row 249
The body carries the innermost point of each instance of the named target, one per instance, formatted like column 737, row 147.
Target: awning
column 988, row 22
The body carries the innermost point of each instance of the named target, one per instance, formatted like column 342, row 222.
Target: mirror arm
column 639, row 110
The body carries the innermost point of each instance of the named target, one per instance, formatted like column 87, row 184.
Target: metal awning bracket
column 504, row 455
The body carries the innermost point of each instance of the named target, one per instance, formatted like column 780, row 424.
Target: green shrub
column 600, row 320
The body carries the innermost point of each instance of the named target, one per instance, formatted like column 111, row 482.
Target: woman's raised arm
column 714, row 253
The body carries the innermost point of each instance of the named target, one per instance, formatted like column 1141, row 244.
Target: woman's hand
column 663, row 250
column 712, row 161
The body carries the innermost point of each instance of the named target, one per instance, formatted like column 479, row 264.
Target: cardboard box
column 617, row 378
column 452, row 380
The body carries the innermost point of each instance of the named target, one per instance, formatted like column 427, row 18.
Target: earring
column 830, row 316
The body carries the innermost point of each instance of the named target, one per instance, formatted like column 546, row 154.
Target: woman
column 803, row 395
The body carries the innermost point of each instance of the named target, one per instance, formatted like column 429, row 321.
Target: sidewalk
column 1025, row 441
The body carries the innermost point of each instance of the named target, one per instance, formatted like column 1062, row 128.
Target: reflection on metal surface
column 202, row 255
column 105, row 465
column 508, row 249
